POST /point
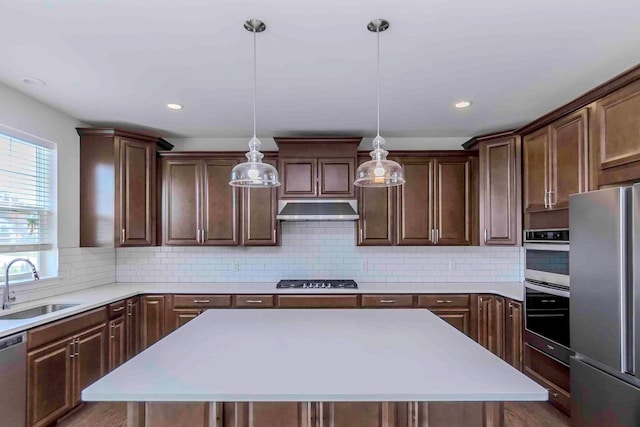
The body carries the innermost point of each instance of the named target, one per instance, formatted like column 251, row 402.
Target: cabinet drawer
column 313, row 301
column 63, row 328
column 546, row 367
column 117, row 309
column 444, row 301
column 206, row 301
column 253, row 301
column 388, row 301
column 557, row 397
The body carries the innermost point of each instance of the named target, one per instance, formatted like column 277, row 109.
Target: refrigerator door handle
column 634, row 303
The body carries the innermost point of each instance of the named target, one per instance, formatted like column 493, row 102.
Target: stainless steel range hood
column 318, row 210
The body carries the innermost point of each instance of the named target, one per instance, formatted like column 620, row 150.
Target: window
column 27, row 207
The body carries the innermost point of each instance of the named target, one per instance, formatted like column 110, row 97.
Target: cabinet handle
column 275, row 238
column 551, row 192
column 550, row 347
column 437, row 233
column 433, row 237
column 204, row 235
column 253, row 301
column 198, row 235
column 201, row 301
column 486, row 235
column 77, row 347
column 444, row 301
column 122, row 236
column 387, row 301
column 115, row 310
column 553, row 393
column 545, row 199
column 73, row 347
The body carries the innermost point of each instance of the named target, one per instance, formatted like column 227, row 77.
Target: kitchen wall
column 268, row 144
column 319, row 250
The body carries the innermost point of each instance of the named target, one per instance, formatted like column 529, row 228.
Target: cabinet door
column 616, row 137
column 491, row 323
column 568, row 159
column 536, row 170
column 513, row 334
column 375, row 226
column 459, row 319
column 135, row 203
column 117, row 342
column 336, row 178
column 500, row 192
column 350, row 414
column 453, row 201
column 133, row 327
column 299, row 178
column 50, row 383
column 415, row 203
column 182, row 201
column 269, row 414
column 220, row 204
column 90, row 358
column 183, row 315
column 152, row 319
column 260, row 227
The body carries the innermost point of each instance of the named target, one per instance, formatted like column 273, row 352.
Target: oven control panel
column 556, row 236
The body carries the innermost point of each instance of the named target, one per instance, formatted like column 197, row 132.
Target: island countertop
column 315, row 355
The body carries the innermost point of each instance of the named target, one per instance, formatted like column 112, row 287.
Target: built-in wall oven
column 547, row 292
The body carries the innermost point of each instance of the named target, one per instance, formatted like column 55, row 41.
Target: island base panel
column 312, row 414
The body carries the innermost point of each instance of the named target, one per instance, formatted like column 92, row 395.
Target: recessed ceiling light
column 174, row 106
column 462, row 104
column 33, row 81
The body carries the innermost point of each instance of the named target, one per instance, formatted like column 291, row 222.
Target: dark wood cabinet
column 616, row 137
column 132, row 327
column 551, row 374
column 269, row 414
column 182, row 315
column 317, row 167
column 118, row 187
column 260, row 227
column 50, row 382
column 348, row 414
column 500, row 181
column 514, row 340
column 436, row 204
column 64, row 357
column 117, row 342
column 220, row 212
column 153, row 319
column 201, row 208
column 181, row 194
column 376, row 224
column 454, row 309
column 555, row 166
column 491, row 319
column 453, row 201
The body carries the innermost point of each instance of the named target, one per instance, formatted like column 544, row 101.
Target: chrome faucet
column 7, row 298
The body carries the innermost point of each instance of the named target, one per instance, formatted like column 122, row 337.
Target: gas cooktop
column 317, row 284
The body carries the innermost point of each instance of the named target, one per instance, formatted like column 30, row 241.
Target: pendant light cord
column 255, row 83
column 378, row 78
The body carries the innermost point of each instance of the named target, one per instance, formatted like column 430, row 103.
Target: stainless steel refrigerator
column 605, row 307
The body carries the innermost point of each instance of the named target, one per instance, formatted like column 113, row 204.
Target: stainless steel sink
column 36, row 311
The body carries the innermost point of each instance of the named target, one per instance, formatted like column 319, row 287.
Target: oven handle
column 547, row 315
column 551, row 291
column 563, row 247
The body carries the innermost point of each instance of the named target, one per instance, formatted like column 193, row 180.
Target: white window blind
column 26, row 196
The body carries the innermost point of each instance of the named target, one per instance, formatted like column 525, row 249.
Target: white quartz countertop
column 99, row 296
column 315, row 355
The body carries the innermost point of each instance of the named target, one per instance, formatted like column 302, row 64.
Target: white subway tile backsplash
column 319, row 250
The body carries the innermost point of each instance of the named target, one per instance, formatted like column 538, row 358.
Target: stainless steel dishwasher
column 13, row 380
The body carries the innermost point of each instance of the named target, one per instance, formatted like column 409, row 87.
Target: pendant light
column 379, row 172
column 254, row 173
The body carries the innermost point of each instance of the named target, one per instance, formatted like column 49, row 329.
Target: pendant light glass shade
column 253, row 173
column 379, row 172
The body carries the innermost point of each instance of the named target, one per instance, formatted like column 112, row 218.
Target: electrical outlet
column 236, row 266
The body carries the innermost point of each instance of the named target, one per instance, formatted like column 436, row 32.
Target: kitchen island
column 315, row 367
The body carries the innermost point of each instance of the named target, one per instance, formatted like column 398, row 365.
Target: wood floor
column 529, row 414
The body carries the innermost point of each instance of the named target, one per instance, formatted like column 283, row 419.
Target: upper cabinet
column 555, row 166
column 435, row 206
column 199, row 207
column 500, row 205
column 117, row 187
column 616, row 137
column 317, row 167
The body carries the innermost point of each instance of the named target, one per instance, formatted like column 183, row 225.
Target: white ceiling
column 118, row 62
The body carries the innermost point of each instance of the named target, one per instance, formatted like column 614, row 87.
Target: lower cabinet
column 132, row 327
column 348, row 414
column 153, row 319
column 60, row 365
column 269, row 414
column 117, row 342
column 514, row 339
column 454, row 309
column 183, row 315
column 550, row 374
column 491, row 321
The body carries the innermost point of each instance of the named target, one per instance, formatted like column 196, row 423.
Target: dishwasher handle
column 8, row 342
